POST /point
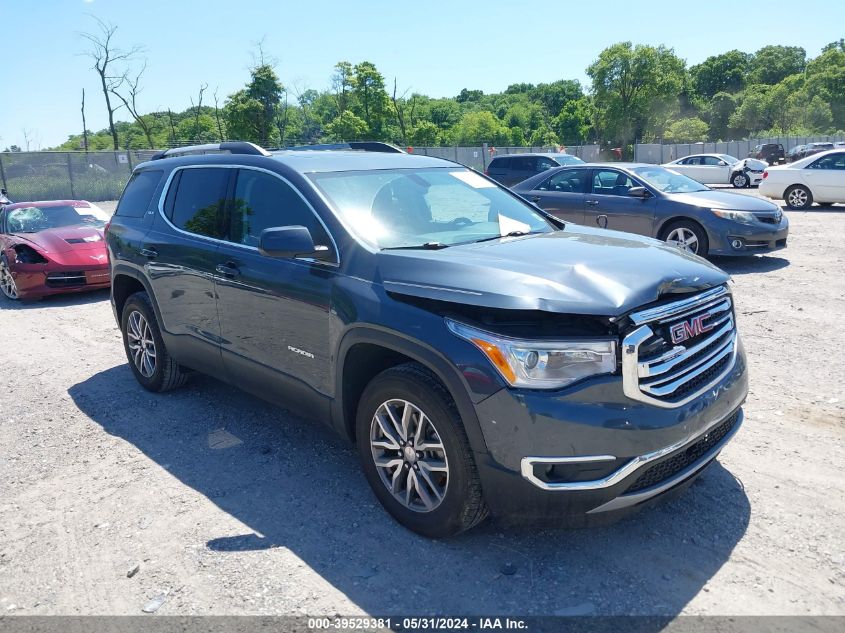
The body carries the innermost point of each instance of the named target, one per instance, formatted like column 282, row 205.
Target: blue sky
column 432, row 47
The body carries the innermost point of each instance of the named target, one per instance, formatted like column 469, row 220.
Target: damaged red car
column 52, row 248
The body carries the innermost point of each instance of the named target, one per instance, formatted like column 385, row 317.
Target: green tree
column 424, row 134
column 573, row 124
column 370, row 99
column 632, row 86
column 772, row 64
column 720, row 73
column 347, row 127
column 752, row 114
column 825, row 78
column 720, row 109
column 479, row 127
column 251, row 113
column 690, row 130
column 469, row 95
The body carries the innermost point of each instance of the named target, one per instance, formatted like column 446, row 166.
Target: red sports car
column 52, row 247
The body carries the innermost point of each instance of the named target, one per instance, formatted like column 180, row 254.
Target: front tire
column 798, row 197
column 416, row 454
column 149, row 360
column 740, row 180
column 687, row 236
column 7, row 283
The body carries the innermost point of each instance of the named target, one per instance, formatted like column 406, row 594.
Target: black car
column 515, row 168
column 795, row 153
column 772, row 153
column 482, row 355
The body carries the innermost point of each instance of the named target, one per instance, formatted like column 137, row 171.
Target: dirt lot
column 229, row 506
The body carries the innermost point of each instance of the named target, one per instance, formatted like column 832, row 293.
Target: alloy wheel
column 409, row 455
column 684, row 239
column 7, row 282
column 141, row 344
column 797, row 197
column 740, row 180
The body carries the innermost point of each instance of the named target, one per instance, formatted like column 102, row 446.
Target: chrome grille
column 658, row 371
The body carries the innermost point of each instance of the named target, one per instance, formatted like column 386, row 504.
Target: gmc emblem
column 684, row 330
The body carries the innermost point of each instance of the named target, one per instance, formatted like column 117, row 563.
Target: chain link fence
column 98, row 176
column 91, row 176
column 657, row 153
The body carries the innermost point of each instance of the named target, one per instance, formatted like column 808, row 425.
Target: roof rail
column 361, row 146
column 233, row 147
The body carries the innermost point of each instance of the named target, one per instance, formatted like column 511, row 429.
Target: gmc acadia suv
column 483, row 356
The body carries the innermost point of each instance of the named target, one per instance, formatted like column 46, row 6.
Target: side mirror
column 290, row 242
column 639, row 192
column 3, row 192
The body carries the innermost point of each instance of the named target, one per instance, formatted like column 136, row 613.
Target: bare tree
column 222, row 137
column 106, row 56
column 197, row 107
column 132, row 89
column 84, row 126
column 172, row 127
column 27, row 138
column 282, row 121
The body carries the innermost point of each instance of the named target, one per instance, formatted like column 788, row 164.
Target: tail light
column 765, row 174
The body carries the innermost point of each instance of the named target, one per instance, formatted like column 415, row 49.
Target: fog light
column 736, row 244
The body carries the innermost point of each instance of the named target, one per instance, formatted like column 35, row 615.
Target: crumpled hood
column 56, row 240
column 578, row 270
column 713, row 199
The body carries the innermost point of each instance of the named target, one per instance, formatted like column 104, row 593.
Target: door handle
column 593, row 203
column 229, row 269
column 149, row 253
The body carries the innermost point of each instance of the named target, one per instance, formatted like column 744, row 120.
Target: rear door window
column 500, row 163
column 567, row 181
column 138, row 194
column 612, row 183
column 198, row 201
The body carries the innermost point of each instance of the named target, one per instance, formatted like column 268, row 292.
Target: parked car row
column 515, row 168
column 802, row 151
column 771, row 153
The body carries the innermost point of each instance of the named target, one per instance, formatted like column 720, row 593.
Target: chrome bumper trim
column 527, row 464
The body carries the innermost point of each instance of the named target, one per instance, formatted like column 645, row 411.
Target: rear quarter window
column 138, row 194
column 500, row 163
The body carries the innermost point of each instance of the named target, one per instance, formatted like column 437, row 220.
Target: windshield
column 33, row 219
column 668, row 181
column 567, row 160
column 730, row 160
column 396, row 208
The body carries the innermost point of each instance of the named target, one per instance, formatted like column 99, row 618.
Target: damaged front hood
column 578, row 270
column 65, row 239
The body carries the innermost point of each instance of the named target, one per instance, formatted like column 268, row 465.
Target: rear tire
column 435, row 491
column 798, row 197
column 687, row 235
column 149, row 360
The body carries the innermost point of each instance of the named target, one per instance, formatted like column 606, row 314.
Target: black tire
column 826, row 205
column 740, row 180
column 703, row 244
column 798, row 197
column 167, row 373
column 462, row 505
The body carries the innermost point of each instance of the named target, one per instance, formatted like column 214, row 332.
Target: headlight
column 541, row 364
column 745, row 217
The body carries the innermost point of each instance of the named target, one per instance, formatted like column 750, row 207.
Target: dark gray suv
column 515, row 168
column 658, row 202
column 482, row 355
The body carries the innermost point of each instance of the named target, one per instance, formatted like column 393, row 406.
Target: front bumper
column 733, row 238
column 587, row 453
column 34, row 280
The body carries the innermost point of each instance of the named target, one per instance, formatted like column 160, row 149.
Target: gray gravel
column 114, row 500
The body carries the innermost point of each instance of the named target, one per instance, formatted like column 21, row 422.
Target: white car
column 719, row 169
column 818, row 178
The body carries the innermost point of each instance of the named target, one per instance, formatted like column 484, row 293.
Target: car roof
column 49, row 203
column 536, row 154
column 311, row 161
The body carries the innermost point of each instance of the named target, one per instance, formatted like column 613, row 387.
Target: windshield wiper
column 498, row 237
column 432, row 246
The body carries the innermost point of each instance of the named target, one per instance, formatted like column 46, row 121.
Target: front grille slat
column 65, row 280
column 670, row 374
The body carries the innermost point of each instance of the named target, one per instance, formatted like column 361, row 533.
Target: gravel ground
column 111, row 497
